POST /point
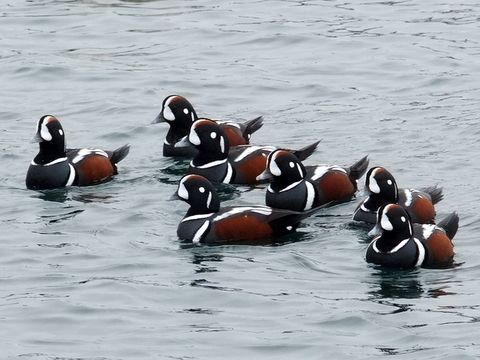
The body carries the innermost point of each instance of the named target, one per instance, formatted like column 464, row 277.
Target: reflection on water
column 396, row 283
column 388, row 283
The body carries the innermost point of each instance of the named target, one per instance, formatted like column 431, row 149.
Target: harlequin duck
column 54, row 166
column 206, row 222
column 381, row 188
column 236, row 165
column 401, row 244
column 298, row 187
column 180, row 114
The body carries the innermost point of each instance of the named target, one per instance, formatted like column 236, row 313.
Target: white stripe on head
column 222, row 142
column 209, row 199
column 300, row 171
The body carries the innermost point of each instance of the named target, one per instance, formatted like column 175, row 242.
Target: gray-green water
column 98, row 273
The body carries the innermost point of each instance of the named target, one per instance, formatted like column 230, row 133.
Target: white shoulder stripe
column 251, row 149
column 291, row 186
column 196, row 217
column 229, row 175
column 82, row 153
column 310, row 195
column 209, row 165
column 71, row 176
column 200, row 232
column 421, row 252
column 263, row 210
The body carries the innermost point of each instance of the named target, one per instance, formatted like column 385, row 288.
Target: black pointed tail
column 450, row 225
column 306, row 151
column 435, row 193
column 358, row 169
column 120, row 154
column 252, row 126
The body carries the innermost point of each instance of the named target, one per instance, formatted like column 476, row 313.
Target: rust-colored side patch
column 441, row 247
column 251, row 168
column 234, row 136
column 94, row 169
column 336, row 186
column 423, row 210
column 243, row 227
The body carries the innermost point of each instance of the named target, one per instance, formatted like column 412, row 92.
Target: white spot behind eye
column 389, row 182
column 185, row 111
column 201, row 189
column 403, row 219
column 291, row 164
column 213, row 135
column 222, row 144
column 209, row 199
column 300, row 171
column 60, row 131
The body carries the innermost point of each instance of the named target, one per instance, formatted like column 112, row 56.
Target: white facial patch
column 168, row 114
column 385, row 221
column 373, row 185
column 274, row 169
column 193, row 137
column 44, row 132
column 182, row 191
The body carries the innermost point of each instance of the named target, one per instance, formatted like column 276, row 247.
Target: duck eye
column 185, row 111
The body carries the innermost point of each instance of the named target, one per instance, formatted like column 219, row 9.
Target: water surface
column 98, row 272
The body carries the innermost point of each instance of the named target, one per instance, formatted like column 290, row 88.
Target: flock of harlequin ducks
column 405, row 234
